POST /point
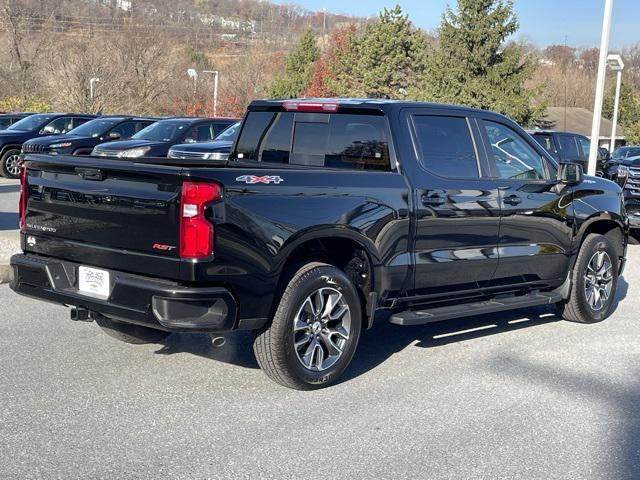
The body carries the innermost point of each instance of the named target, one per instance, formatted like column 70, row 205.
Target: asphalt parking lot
column 516, row 395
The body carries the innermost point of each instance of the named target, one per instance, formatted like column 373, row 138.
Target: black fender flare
column 330, row 232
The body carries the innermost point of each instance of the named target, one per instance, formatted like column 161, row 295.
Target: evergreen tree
column 628, row 106
column 472, row 66
column 295, row 78
column 384, row 62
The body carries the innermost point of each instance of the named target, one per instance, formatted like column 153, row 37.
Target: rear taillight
column 196, row 232
column 24, row 197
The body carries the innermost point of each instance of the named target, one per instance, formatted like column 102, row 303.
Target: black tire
column 7, row 163
column 274, row 345
column 133, row 334
column 577, row 307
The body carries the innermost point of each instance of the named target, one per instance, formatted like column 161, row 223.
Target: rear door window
column 200, row 133
column 125, row 129
column 546, row 141
column 584, row 145
column 569, row 147
column 445, row 146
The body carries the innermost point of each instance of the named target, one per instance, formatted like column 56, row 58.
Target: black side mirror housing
column 570, row 174
column 113, row 136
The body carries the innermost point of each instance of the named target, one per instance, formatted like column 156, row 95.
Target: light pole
column 92, row 89
column 193, row 74
column 617, row 65
column 597, row 106
column 324, row 27
column 215, row 90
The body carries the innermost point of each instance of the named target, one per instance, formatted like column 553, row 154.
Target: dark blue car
column 82, row 140
column 218, row 149
column 33, row 126
column 157, row 139
column 8, row 119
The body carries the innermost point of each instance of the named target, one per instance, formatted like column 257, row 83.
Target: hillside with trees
column 141, row 49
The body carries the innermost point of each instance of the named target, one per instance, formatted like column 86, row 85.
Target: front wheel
column 595, row 277
column 10, row 164
column 315, row 330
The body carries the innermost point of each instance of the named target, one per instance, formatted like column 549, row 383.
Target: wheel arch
column 7, row 147
column 343, row 248
column 610, row 226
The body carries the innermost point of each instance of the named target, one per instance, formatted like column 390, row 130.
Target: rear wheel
column 133, row 334
column 595, row 277
column 10, row 164
column 315, row 330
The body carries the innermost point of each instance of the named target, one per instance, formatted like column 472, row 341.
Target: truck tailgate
column 87, row 206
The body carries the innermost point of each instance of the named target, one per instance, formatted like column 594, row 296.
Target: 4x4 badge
column 253, row 179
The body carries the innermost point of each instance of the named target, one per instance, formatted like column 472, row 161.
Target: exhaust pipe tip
column 218, row 342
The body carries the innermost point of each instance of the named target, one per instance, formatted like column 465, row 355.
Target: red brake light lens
column 24, row 197
column 196, row 232
column 311, row 107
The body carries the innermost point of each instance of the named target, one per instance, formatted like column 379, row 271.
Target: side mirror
column 570, row 174
column 113, row 136
column 189, row 140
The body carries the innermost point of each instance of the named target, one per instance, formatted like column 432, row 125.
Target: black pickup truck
column 567, row 147
column 327, row 215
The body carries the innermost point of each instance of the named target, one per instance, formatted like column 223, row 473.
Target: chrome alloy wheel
column 13, row 164
column 321, row 329
column 598, row 280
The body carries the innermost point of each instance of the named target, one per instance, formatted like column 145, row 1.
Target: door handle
column 433, row 199
column 512, row 200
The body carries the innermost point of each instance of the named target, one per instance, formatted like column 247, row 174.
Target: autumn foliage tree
column 324, row 69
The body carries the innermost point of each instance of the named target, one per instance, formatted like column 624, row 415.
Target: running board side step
column 421, row 317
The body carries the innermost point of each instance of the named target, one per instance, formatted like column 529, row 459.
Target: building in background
column 578, row 120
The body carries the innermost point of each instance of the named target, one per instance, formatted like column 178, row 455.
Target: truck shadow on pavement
column 8, row 221
column 385, row 339
column 382, row 341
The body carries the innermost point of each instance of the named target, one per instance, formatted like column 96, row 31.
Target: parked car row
column 117, row 136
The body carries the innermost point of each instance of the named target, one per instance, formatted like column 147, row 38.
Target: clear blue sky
column 545, row 21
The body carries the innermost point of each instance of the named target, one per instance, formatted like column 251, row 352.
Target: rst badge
column 163, row 248
column 254, row 179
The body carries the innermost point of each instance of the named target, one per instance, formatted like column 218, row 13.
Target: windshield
column 625, row 152
column 95, row 128
column 163, row 131
column 34, row 122
column 230, row 133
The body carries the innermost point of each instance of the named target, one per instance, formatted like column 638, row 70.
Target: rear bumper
column 140, row 300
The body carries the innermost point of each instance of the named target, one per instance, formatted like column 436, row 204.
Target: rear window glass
column 277, row 143
column 330, row 140
column 253, row 131
column 445, row 145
